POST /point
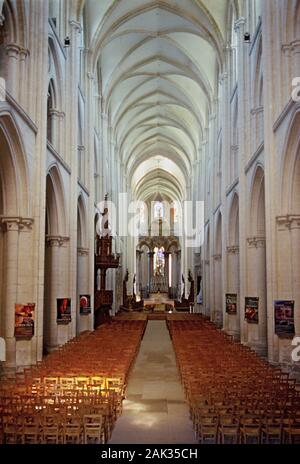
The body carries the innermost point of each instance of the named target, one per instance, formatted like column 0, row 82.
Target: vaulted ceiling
column 159, row 63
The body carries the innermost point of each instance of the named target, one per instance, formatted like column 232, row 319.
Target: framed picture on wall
column 63, row 310
column 231, row 303
column 24, row 320
column 85, row 304
column 284, row 317
column 251, row 309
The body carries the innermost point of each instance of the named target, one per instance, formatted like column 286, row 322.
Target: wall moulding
column 289, row 221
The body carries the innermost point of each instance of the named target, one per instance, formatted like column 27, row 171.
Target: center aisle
column 155, row 410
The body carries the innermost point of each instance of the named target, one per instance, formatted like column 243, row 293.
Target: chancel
column 149, row 222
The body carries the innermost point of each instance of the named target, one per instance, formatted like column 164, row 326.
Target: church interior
column 149, row 221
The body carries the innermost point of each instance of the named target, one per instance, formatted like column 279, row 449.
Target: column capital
column 56, row 240
column 256, row 242
column 23, row 52
column 82, row 251
column 10, row 223
column 217, row 257
column 235, row 249
column 289, row 221
column 12, row 50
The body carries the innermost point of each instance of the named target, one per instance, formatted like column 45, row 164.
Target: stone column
column 139, row 285
column 295, row 244
column 166, row 255
column 82, row 323
column 12, row 51
column 217, row 310
column 56, row 259
column 11, row 229
column 150, row 268
column 81, row 163
column 232, row 321
column 257, row 333
column 23, row 92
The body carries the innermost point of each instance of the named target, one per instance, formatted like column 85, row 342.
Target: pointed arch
column 14, row 190
column 257, row 210
column 55, row 203
column 81, row 223
column 289, row 169
column 233, row 224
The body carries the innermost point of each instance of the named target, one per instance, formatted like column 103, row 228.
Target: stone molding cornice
column 256, row 242
column 233, row 250
column 15, row 223
column 288, row 222
column 56, row 113
column 56, row 240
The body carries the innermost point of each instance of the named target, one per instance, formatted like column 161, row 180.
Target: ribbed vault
column 158, row 63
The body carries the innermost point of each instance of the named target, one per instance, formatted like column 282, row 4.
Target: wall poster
column 63, row 310
column 251, row 309
column 284, row 317
column 85, row 304
column 231, row 303
column 24, row 320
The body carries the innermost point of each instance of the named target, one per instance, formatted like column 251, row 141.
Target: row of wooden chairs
column 234, row 395
column 75, row 394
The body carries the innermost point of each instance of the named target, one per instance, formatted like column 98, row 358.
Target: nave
column 155, row 410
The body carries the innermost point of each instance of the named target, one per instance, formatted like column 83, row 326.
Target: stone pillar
column 166, row 255
column 295, row 244
column 57, row 265
column 12, row 51
column 150, row 268
column 11, row 229
column 139, row 285
column 232, row 321
column 82, row 323
column 257, row 333
column 217, row 310
column 81, row 163
column 23, row 92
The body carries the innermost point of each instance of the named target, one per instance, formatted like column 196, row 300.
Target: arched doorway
column 256, row 332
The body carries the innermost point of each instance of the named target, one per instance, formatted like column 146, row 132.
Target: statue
column 192, row 287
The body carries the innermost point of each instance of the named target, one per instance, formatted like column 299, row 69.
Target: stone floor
column 155, row 410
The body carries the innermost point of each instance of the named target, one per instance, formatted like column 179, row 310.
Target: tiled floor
column 155, row 410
